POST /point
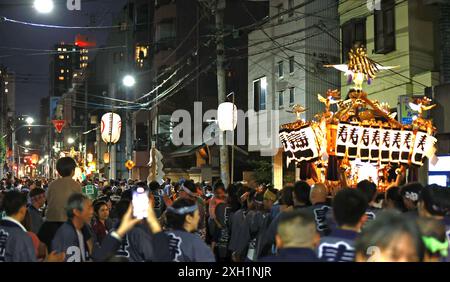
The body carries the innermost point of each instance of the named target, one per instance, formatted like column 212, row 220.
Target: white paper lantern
column 396, row 143
column 406, row 146
column 111, row 127
column 420, row 145
column 227, row 116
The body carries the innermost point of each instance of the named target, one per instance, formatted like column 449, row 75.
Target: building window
column 279, row 11
column 141, row 54
column 142, row 17
column 280, row 99
column 280, row 69
column 385, row 27
column 62, row 71
column 291, row 65
column 291, row 8
column 353, row 34
column 291, row 95
column 165, row 30
column 259, row 94
column 61, row 57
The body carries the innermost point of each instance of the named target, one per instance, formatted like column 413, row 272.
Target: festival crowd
column 67, row 221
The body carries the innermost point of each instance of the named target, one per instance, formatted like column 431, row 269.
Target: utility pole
column 219, row 7
column 128, row 113
column 85, row 117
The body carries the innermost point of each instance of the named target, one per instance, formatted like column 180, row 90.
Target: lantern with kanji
column 111, row 127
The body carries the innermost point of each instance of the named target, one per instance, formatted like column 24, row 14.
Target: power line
column 55, row 52
column 391, row 70
column 8, row 20
column 282, row 50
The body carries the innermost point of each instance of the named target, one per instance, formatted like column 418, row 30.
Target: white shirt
column 82, row 246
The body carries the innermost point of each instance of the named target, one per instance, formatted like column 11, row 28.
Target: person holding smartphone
column 138, row 237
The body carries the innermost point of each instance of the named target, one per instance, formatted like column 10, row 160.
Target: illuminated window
column 61, row 57
column 6, row 82
column 6, row 90
column 141, row 54
column 59, row 49
column 61, row 78
column 64, row 49
column 62, row 71
column 259, row 94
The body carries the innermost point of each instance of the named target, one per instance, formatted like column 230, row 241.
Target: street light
column 27, row 143
column 70, row 140
column 129, row 81
column 44, row 6
column 29, row 120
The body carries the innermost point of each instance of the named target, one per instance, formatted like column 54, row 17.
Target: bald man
column 296, row 238
column 320, row 209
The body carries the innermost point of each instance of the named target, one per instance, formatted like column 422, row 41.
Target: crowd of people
column 64, row 220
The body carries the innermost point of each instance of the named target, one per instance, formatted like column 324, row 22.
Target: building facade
column 286, row 56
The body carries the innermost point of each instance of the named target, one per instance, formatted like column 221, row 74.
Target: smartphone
column 140, row 203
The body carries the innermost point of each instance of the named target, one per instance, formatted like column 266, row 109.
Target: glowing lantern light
column 34, row 158
column 130, row 164
column 227, row 116
column 106, row 158
column 111, row 127
column 90, row 157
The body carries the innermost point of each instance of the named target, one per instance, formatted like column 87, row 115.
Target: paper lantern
column 420, row 144
column 106, row 158
column 385, row 145
column 353, row 142
column 396, row 141
column 111, row 127
column 89, row 157
column 363, row 148
column 341, row 139
column 227, row 116
column 130, row 164
column 375, row 143
column 299, row 144
column 406, row 146
column 34, row 158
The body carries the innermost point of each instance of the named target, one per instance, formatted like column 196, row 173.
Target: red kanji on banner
column 59, row 125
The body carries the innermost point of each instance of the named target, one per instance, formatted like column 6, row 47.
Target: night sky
column 93, row 13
